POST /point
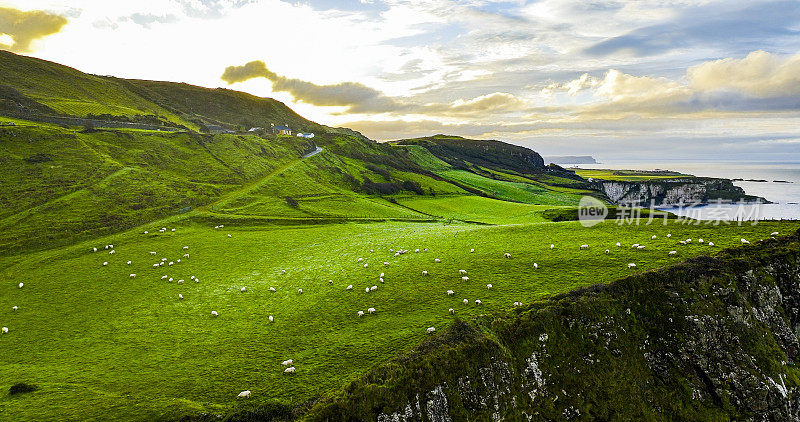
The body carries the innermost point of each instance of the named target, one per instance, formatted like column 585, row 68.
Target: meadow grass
column 100, row 344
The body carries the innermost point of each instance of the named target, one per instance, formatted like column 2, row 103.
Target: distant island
column 571, row 159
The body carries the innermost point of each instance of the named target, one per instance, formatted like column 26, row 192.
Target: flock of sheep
column 289, row 364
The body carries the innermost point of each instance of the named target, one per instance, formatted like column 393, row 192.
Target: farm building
column 305, row 135
column 282, row 130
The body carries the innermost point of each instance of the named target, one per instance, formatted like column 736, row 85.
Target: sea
column 785, row 196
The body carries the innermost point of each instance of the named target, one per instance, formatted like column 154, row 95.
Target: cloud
column 145, row 19
column 759, row 75
column 24, row 27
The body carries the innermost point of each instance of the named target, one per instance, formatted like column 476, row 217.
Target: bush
column 21, row 387
column 292, row 202
column 38, row 158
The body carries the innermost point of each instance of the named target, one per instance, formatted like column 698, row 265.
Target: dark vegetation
column 21, row 388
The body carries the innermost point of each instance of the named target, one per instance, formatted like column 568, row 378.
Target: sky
column 637, row 79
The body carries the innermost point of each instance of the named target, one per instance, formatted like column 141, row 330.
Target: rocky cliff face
column 673, row 191
column 712, row 338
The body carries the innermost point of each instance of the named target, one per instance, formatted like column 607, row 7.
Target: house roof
column 282, row 128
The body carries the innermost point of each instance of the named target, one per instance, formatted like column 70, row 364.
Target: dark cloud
column 744, row 29
column 26, row 27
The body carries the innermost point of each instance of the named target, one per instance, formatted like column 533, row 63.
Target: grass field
column 101, row 344
column 628, row 175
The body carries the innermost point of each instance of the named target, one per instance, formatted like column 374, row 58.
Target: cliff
column 711, row 338
column 571, row 159
column 691, row 190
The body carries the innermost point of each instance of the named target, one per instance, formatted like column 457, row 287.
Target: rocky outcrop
column 712, row 338
column 694, row 190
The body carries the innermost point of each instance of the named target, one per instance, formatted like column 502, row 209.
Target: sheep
column 682, row 242
column 244, row 394
column 229, row 235
column 133, row 275
column 366, row 265
column 105, row 263
column 385, row 263
column 214, row 314
column 397, row 254
column 710, row 243
column 552, row 246
column 94, row 249
column 489, row 286
column 507, row 255
column 607, row 252
column 516, row 303
column 221, row 225
column 186, row 255
column 424, row 273
column 243, row 289
column 170, row 280
column 163, row 259
column 180, row 296
column 584, row 246
column 640, row 247
column 653, row 237
column 272, row 289
column 450, row 292
column 349, row 287
column 360, row 313
column 164, row 277
column 478, row 302
column 359, row 259
column 451, row 311
column 372, row 250
column 371, row 310
column 465, row 278
column 631, row 265
column 700, row 240
column 14, row 308
column 300, row 291
column 774, row 234
column 270, row 318
column 373, row 288
column 283, row 271
column 287, row 362
column 5, row 330
column 173, row 230
column 535, row 265
column 634, row 246
column 146, row 232
column 466, row 302
column 426, row 249
column 112, row 252
column 185, row 247
column 289, row 370
column 171, row 263
column 156, row 265
column 366, row 289
column 430, row 330
column 416, row 250
column 689, row 240
column 462, row 272
column 21, row 284
column 381, row 276
column 669, row 235
column 619, row 244
column 177, row 261
column 472, row 250
column 192, row 278
column 381, row 279
column 745, row 241
column 437, row 260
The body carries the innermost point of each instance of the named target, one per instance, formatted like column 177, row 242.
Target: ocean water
column 786, row 196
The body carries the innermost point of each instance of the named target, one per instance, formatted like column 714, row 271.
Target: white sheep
column 381, row 279
column 180, row 296
column 173, row 230
column 700, row 240
column 689, row 240
column 682, row 242
column 653, row 237
column 584, row 246
column 164, row 277
column 94, row 249
column 133, row 275
column 349, row 287
column 478, row 302
column 244, row 394
column 287, row 362
column 552, row 246
column 424, row 273
column 710, row 243
column 300, row 291
column 177, row 260
column 641, row 247
column 634, row 246
column 516, row 303
column 373, row 288
column 146, row 232
column 14, row 308
column 462, row 272
column 535, row 265
column 466, row 302
column 185, row 247
column 112, row 252
column 186, row 255
column 669, row 235
column 105, row 263
column 745, row 241
column 170, row 280
column 366, row 289
column 451, row 311
column 271, row 319
column 5, row 330
column 607, row 252
column 426, row 249
column 381, row 276
column 430, row 330
column 360, row 313
column 229, row 235
column 489, row 286
column 359, row 259
column 507, row 255
column 371, row 310
column 416, row 250
column 283, row 271
column 366, row 265
column 631, row 265
column 673, row 252
column 214, row 314
column 465, row 278
column 472, row 250
column 192, row 278
column 243, row 289
column 272, row 289
column 450, row 292
column 619, row 244
column 437, row 260
column 289, row 370
column 21, row 284
column 774, row 234
column 385, row 263
column 171, row 263
column 156, row 265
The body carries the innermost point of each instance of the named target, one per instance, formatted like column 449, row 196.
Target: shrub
column 21, row 387
column 38, row 158
column 292, row 202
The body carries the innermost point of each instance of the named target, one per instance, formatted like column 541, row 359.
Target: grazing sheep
column 516, row 303
column 634, row 246
column 373, row 288
column 462, row 272
column 156, row 265
column 426, row 249
column 14, row 308
column 186, row 255
column 289, row 370
column 710, row 243
column 359, row 259
column 478, row 302
column 552, row 246
column 381, row 279
column 745, row 241
column 185, row 247
column 466, row 302
column 192, row 278
column 5, row 330
column 350, row 287
column 133, row 275
column 105, row 263
column 669, row 234
column 229, row 235
column 607, row 251
column 682, row 242
column 360, row 313
column 619, row 244
column 112, row 252
column 164, row 277
column 653, row 237
column 272, row 289
column 178, row 260
column 243, row 289
column 244, row 394
column 465, row 278
column 180, row 296
column 507, row 255
column 385, row 263
column 366, row 265
column 287, row 362
column 163, row 259
column 437, row 260
column 584, row 246
column 416, row 250
column 673, row 252
column 641, row 247
column 173, row 230
column 21, row 284
column 270, row 318
column 451, row 311
column 94, row 249
column 397, row 254
column 171, row 263
column 424, row 273
column 381, row 276
column 366, row 289
column 371, row 310
column 214, row 314
column 631, row 265
column 689, row 240
column 300, row 291
column 489, row 286
column 170, row 280
column 430, row 329
column 283, row 271
column 774, row 234
column 472, row 250
column 535, row 265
